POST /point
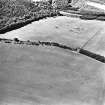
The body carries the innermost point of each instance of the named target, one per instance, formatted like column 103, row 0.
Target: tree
column 50, row 1
column 16, row 39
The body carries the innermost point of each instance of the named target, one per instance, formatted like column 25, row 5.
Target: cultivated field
column 32, row 75
column 66, row 30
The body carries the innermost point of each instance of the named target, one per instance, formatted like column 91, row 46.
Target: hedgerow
column 92, row 55
column 20, row 11
column 88, row 17
column 42, row 43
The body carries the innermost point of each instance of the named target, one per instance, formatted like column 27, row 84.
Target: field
column 73, row 32
column 42, row 74
column 97, row 44
column 32, row 75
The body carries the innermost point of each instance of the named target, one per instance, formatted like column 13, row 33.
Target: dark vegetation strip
column 91, row 15
column 18, row 13
column 28, row 21
column 42, row 43
column 37, row 43
column 92, row 55
column 86, row 14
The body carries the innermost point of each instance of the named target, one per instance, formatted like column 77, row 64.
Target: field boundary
column 85, row 15
column 62, row 46
column 26, row 22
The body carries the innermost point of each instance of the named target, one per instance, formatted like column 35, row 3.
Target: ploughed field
column 32, row 75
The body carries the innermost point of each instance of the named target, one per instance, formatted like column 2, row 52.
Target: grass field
column 49, row 76
column 18, row 13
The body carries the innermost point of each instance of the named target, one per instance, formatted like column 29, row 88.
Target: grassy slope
column 49, row 76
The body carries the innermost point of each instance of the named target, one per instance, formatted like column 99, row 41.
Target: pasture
column 32, row 75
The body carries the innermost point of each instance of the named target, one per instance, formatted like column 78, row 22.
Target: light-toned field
column 62, row 29
column 97, row 44
column 31, row 75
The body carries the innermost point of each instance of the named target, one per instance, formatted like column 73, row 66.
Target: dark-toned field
column 48, row 75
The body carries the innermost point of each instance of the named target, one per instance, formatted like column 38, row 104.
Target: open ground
column 49, row 76
column 41, row 75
